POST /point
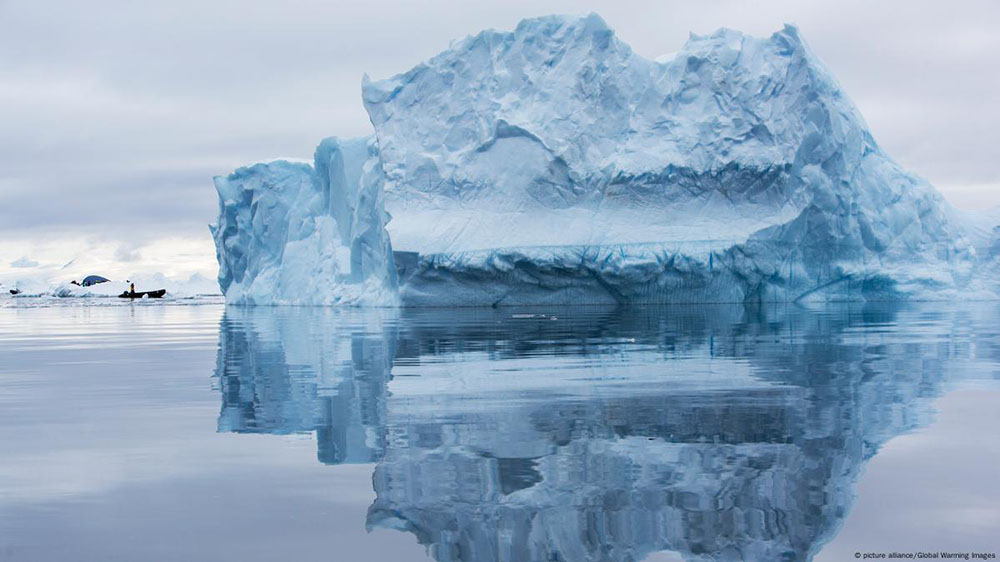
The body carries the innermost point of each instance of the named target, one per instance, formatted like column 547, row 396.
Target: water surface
column 150, row 432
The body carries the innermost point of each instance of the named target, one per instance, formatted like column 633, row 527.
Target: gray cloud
column 116, row 114
column 127, row 253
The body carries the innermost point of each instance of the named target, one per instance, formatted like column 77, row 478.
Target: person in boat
column 131, row 288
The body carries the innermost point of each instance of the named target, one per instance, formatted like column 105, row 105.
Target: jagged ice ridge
column 551, row 164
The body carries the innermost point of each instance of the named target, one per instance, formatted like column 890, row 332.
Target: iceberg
column 298, row 233
column 551, row 164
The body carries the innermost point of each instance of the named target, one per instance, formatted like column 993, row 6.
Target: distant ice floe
column 40, row 291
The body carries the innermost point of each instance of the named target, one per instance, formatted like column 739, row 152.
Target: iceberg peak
column 554, row 24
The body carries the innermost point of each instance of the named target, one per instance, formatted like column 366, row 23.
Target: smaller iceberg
column 299, row 233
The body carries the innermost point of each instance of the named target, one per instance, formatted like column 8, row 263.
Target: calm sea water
column 165, row 432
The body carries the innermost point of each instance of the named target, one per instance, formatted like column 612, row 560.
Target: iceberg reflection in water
column 598, row 434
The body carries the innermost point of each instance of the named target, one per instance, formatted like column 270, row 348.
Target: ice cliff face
column 294, row 233
column 551, row 164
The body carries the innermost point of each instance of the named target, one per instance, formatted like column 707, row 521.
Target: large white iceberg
column 295, row 233
column 551, row 164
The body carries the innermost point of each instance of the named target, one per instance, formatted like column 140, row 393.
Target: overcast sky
column 114, row 116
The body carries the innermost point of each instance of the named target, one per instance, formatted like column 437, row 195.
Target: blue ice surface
column 551, row 164
column 306, row 233
column 566, row 433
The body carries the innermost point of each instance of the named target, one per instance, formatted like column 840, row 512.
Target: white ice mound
column 553, row 164
column 291, row 233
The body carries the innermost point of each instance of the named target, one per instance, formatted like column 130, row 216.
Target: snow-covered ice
column 42, row 291
column 551, row 164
